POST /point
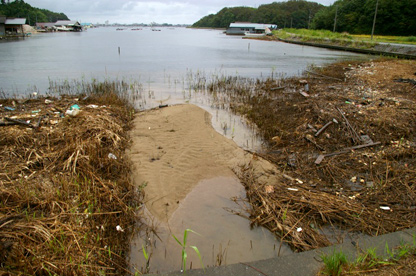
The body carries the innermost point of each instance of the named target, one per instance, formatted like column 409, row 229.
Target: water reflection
column 223, row 237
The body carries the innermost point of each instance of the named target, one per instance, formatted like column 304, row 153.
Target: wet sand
column 175, row 148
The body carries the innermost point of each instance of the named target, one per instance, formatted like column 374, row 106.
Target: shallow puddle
column 223, row 237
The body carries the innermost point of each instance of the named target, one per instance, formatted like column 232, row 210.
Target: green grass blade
column 146, row 256
column 199, row 255
column 176, row 239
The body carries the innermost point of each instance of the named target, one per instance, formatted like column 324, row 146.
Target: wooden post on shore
column 374, row 21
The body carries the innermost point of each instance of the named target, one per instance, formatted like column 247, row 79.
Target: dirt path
column 176, row 147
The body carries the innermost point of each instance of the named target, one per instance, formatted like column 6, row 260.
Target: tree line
column 352, row 16
column 20, row 9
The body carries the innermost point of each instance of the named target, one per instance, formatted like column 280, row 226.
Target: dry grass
column 346, row 189
column 61, row 194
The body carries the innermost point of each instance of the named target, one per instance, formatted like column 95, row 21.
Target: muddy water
column 223, row 237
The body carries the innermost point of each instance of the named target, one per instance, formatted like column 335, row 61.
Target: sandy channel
column 176, row 147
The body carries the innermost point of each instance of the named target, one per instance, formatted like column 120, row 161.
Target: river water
column 155, row 59
column 165, row 63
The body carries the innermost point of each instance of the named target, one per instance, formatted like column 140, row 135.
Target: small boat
column 136, row 29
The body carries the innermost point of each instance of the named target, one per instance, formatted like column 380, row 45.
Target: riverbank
column 340, row 151
column 343, row 42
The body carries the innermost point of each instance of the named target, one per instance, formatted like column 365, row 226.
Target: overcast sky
column 144, row 11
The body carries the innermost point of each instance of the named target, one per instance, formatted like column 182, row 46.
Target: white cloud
column 142, row 11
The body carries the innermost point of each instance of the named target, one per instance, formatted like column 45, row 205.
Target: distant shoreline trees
column 353, row 16
column 19, row 8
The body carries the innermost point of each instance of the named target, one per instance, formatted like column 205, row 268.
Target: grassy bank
column 345, row 39
column 68, row 204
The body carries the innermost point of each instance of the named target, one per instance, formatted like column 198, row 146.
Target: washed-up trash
column 269, row 189
column 112, row 156
column 48, row 101
column 299, row 229
column 92, row 106
column 75, row 106
column 119, row 229
column 292, row 189
column 36, row 111
column 72, row 112
column 8, row 108
column 387, row 208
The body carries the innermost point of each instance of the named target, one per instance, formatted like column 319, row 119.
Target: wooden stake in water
column 118, row 50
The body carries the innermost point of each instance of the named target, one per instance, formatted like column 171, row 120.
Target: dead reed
column 67, row 202
column 347, row 132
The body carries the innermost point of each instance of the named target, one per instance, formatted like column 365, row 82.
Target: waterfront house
column 11, row 26
column 45, row 26
column 243, row 28
column 68, row 26
column 2, row 26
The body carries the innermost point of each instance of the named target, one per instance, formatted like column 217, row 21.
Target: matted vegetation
column 67, row 203
column 365, row 181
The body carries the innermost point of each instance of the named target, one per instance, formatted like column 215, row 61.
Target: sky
column 144, row 11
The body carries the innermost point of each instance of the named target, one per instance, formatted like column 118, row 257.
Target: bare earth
column 174, row 148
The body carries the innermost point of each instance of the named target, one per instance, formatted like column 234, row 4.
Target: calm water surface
column 155, row 59
column 165, row 64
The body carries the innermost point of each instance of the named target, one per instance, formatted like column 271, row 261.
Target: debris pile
column 63, row 195
column 345, row 136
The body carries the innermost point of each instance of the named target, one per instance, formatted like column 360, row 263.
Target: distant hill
column 353, row 16
column 293, row 13
column 19, row 8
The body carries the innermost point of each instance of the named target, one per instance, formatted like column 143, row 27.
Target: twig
column 328, row 77
column 354, row 133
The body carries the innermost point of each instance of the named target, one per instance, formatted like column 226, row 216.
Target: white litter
column 112, row 156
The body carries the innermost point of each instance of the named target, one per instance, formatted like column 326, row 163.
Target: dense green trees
column 19, row 8
column 356, row 16
column 295, row 13
column 353, row 16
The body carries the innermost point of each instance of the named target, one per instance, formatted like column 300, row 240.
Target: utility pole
column 335, row 20
column 374, row 21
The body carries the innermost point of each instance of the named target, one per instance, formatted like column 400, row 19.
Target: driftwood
column 277, row 88
column 8, row 123
column 345, row 150
column 328, row 77
column 323, row 128
column 20, row 122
